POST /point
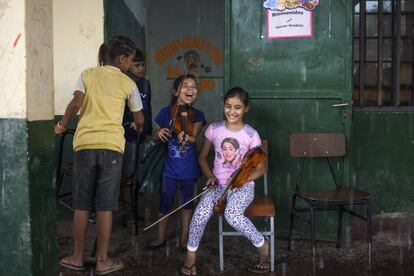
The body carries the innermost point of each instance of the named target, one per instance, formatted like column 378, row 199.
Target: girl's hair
column 101, row 54
column 239, row 93
column 232, row 141
column 177, row 85
column 139, row 56
column 116, row 46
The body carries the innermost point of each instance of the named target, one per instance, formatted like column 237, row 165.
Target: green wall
column 27, row 216
column 42, row 197
column 383, row 159
column 294, row 84
column 16, row 245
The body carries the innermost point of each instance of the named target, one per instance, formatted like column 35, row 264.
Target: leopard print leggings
column 237, row 202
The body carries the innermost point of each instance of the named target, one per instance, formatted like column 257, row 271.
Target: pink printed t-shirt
column 230, row 147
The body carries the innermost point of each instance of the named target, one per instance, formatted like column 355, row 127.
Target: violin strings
column 188, row 62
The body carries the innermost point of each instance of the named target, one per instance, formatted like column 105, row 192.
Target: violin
column 183, row 122
column 239, row 177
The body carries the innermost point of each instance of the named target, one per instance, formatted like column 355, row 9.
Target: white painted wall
column 12, row 59
column 39, row 60
column 78, row 31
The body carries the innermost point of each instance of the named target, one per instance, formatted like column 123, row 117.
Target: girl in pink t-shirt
column 230, row 139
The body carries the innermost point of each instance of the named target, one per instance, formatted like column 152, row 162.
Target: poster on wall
column 193, row 55
column 289, row 18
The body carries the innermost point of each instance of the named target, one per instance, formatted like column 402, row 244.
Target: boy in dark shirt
column 132, row 137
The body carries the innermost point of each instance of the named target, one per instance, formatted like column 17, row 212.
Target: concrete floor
column 388, row 257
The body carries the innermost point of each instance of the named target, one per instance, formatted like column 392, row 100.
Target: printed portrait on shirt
column 230, row 153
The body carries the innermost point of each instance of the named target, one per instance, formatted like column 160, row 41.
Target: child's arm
column 162, row 134
column 138, row 120
column 203, row 161
column 71, row 110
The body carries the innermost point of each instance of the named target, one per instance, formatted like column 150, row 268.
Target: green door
column 296, row 85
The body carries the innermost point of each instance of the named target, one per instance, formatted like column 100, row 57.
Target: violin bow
column 205, row 189
column 179, row 90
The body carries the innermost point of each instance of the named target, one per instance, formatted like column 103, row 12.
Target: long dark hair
column 178, row 82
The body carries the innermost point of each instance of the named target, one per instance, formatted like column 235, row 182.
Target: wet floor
column 387, row 258
column 239, row 254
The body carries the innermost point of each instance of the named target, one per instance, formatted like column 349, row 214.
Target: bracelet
column 59, row 125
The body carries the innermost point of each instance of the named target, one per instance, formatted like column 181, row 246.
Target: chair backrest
column 265, row 147
column 317, row 145
column 307, row 145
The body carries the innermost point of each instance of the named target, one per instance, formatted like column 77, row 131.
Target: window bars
column 384, row 55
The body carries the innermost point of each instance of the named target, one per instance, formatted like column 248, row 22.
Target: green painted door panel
column 305, row 66
column 294, row 85
column 383, row 158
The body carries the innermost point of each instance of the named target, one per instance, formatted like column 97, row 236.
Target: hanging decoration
column 281, row 5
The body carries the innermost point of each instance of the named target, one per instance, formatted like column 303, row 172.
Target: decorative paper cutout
column 281, row 5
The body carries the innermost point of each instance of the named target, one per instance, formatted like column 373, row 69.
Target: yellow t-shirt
column 100, row 119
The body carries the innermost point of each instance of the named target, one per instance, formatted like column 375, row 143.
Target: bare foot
column 108, row 265
column 72, row 263
column 189, row 267
column 264, row 252
column 263, row 265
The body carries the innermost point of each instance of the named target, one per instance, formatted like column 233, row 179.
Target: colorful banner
column 281, row 5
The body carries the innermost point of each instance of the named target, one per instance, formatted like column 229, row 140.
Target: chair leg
column 292, row 220
column 369, row 232
column 272, row 244
column 59, row 183
column 136, row 207
column 312, row 221
column 339, row 236
column 221, row 253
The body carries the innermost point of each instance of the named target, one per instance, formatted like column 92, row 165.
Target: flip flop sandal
column 67, row 263
column 180, row 270
column 115, row 266
column 262, row 267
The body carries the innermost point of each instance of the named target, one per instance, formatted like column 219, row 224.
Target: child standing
column 132, row 137
column 180, row 166
column 233, row 128
column 100, row 95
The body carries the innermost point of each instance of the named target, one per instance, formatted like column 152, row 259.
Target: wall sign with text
column 289, row 18
column 289, row 24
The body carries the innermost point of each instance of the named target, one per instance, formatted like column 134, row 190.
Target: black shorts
column 96, row 179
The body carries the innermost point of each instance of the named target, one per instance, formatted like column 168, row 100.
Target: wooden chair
column 262, row 206
column 325, row 146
